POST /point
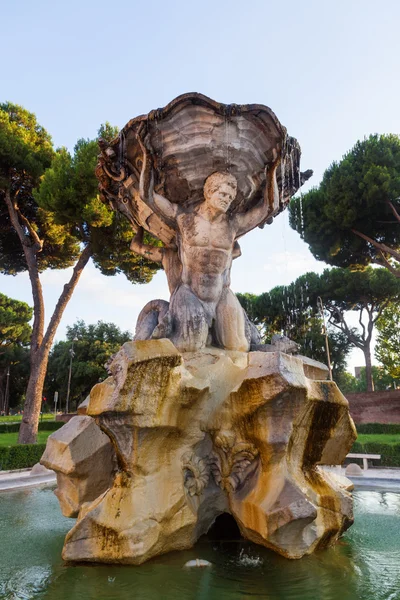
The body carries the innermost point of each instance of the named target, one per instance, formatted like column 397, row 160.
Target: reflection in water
column 365, row 565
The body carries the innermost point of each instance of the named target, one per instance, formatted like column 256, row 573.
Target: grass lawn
column 380, row 438
column 16, row 418
column 9, row 439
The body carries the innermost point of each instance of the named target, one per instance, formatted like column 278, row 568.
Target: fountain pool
column 365, row 565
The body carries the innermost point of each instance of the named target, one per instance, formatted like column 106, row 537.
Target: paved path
column 388, row 473
column 14, row 480
column 381, row 479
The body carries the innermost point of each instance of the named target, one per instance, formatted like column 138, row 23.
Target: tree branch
column 360, row 321
column 65, row 297
column 345, row 329
column 371, row 322
column 381, row 247
column 38, row 243
column 394, row 211
column 33, row 271
column 386, row 263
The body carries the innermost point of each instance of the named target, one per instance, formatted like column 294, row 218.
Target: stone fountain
column 197, row 417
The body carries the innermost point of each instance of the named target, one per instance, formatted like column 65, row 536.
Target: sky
column 329, row 71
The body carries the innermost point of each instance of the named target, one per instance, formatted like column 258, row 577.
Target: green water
column 365, row 565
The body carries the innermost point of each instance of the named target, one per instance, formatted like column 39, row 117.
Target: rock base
column 212, row 432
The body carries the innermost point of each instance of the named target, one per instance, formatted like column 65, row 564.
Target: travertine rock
column 212, row 432
column 39, row 469
column 354, row 470
column 82, row 408
column 84, row 460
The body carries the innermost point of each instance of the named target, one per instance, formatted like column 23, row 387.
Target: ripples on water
column 365, row 565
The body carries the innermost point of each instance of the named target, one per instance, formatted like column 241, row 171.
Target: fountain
column 199, row 419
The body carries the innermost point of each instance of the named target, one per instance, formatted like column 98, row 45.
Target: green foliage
column 20, row 456
column 69, row 189
column 382, row 381
column 390, row 453
column 57, row 193
column 69, row 192
column 14, row 322
column 9, row 427
column 51, row 217
column 370, row 290
column 43, row 426
column 379, row 428
column 25, row 146
column 107, row 132
column 112, row 255
column 354, row 195
column 367, row 292
column 248, row 302
column 379, row 438
column 16, row 358
column 15, row 333
column 347, row 383
column 94, row 346
column 18, row 418
column 25, row 153
column 293, row 310
column 387, row 349
column 10, row 439
column 50, row 425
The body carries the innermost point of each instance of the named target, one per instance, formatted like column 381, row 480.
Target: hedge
column 43, row 426
column 20, row 456
column 390, row 453
column 389, row 428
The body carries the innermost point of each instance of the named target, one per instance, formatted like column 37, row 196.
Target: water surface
column 365, row 565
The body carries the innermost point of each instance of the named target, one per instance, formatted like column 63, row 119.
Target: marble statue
column 202, row 305
column 235, row 188
column 198, row 418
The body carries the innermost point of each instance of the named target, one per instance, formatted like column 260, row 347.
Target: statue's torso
column 206, row 253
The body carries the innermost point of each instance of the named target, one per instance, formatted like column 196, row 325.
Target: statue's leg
column 230, row 326
column 189, row 321
column 148, row 319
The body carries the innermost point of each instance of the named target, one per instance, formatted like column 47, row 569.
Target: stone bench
column 365, row 458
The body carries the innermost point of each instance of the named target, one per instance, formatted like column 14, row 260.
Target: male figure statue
column 203, row 310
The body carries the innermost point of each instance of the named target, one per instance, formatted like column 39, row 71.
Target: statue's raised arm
column 264, row 210
column 161, row 205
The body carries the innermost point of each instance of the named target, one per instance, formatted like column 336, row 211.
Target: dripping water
column 301, row 208
column 226, row 133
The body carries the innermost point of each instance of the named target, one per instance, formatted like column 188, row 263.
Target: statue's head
column 220, row 191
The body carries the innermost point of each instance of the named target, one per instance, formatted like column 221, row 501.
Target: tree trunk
column 368, row 369
column 2, row 391
column 40, row 350
column 33, row 402
column 40, row 342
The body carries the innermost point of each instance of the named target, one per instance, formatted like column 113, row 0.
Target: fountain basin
column 365, row 564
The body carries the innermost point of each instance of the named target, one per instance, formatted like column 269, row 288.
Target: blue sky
column 329, row 70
